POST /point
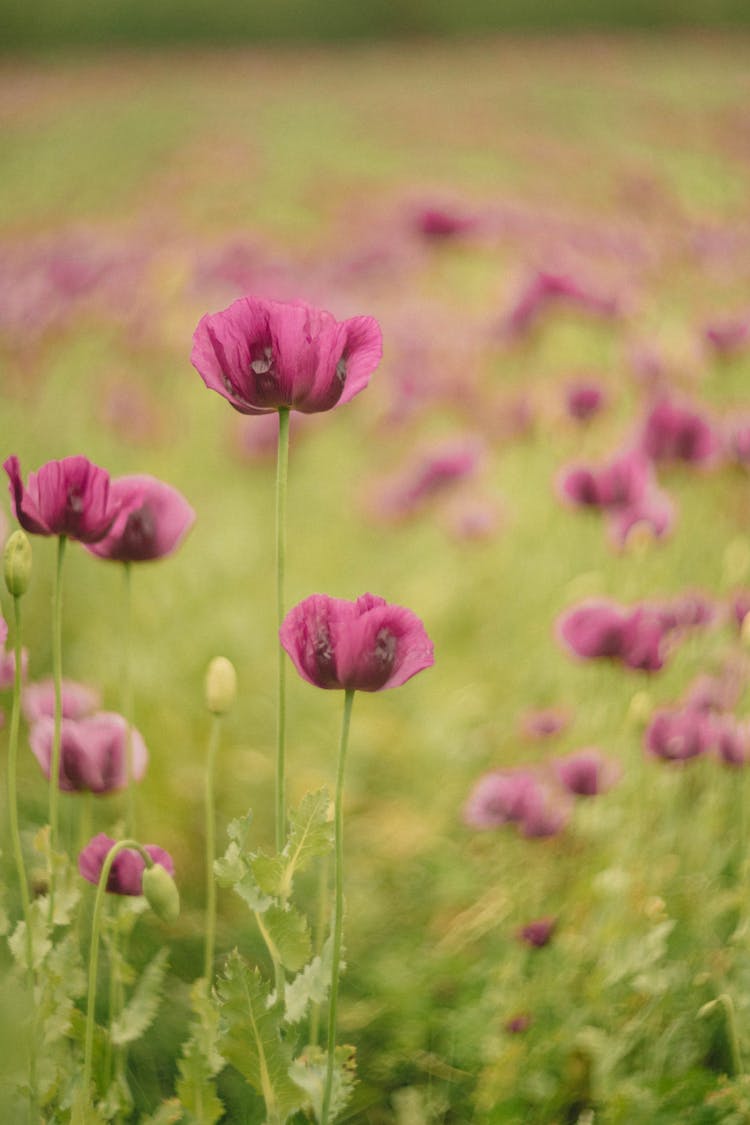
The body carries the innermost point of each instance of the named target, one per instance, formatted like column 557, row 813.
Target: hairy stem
column 54, row 770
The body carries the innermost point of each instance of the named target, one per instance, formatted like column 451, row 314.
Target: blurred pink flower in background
column 261, row 355
column 498, row 798
column 673, row 431
column 731, row 740
column 593, row 629
column 678, row 734
column 69, row 497
column 586, row 773
column 538, row 933
column 544, row 289
column 78, row 700
column 545, row 723
column 152, row 521
column 439, row 222
column 728, row 337
column 93, row 754
column 584, row 399
column 366, row 645
column 431, row 474
column 126, row 873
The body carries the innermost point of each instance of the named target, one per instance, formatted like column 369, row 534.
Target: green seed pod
column 221, row 685
column 17, row 563
column 160, row 891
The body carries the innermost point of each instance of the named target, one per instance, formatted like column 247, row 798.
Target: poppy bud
column 220, row 685
column 160, row 891
column 17, row 563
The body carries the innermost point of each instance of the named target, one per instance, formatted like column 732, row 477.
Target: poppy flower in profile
column 263, row 355
column 70, row 497
column 153, row 520
column 593, row 629
column 366, row 645
column 93, row 752
column 126, row 873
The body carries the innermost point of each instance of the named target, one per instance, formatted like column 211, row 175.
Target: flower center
column 140, row 528
column 341, row 370
column 385, row 649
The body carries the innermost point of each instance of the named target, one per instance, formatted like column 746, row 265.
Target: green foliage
column 309, row 1072
column 250, row 1038
column 201, row 1061
column 141, row 1008
column 310, row 836
column 310, row 986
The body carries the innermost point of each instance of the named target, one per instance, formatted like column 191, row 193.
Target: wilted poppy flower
column 679, row 734
column 366, row 645
column 265, row 355
column 538, row 933
column 126, row 873
column 152, row 521
column 674, row 432
column 69, row 497
column 93, row 752
column 587, row 773
column 38, row 699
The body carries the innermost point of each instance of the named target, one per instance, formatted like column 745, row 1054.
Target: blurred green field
column 183, row 180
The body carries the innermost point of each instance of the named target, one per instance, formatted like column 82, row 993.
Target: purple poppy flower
column 126, row 873
column 93, row 752
column 586, row 773
column 545, row 723
column 728, row 337
column 519, row 1023
column 653, row 515
column 440, row 222
column 732, row 740
column 583, row 400
column 38, row 699
column 674, row 432
column 153, row 520
column 69, row 497
column 431, row 474
column 593, row 629
column 642, row 639
column 538, row 933
column 546, row 288
column 678, row 734
column 498, row 798
column 265, row 355
column 366, row 645
column 546, row 811
column 622, row 483
column 714, row 693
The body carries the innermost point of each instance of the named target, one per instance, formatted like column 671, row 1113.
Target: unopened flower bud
column 160, row 891
column 17, row 563
column 221, row 685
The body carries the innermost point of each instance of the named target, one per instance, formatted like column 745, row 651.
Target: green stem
column 320, row 925
column 54, row 772
column 96, row 925
column 338, row 916
column 16, row 843
column 127, row 696
column 282, row 467
column 208, row 963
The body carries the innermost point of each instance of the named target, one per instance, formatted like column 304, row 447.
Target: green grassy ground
column 156, row 165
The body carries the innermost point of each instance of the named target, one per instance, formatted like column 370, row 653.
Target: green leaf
column 250, row 1038
column 139, row 1012
column 40, row 936
column 309, row 986
column 168, row 1113
column 287, row 935
column 239, row 829
column 250, row 892
column 201, row 1060
column 309, row 1072
column 231, row 868
column 310, row 835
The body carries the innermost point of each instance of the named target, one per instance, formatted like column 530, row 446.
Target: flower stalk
column 54, row 773
column 282, row 472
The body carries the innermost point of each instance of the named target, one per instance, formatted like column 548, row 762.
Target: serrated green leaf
column 196, row 1088
column 62, row 981
column 40, row 935
column 310, row 835
column 139, row 1012
column 250, row 1039
column 83, row 1111
column 201, row 1060
column 239, row 829
column 309, row 986
column 309, row 1072
column 168, row 1113
column 287, row 935
column 231, row 867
